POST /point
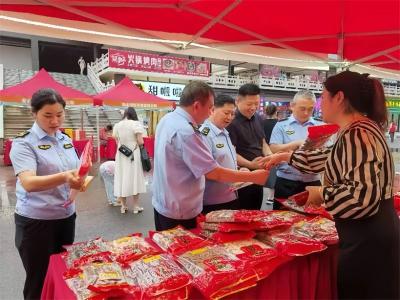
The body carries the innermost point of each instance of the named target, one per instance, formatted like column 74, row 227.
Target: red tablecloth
column 7, row 149
column 149, row 145
column 309, row 277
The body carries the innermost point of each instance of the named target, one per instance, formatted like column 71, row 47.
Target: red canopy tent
column 125, row 93
column 42, row 79
column 355, row 31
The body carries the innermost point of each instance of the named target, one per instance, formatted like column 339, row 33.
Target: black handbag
column 125, row 151
column 144, row 156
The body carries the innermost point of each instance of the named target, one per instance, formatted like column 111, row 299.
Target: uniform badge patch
column 205, row 130
column 22, row 134
column 219, row 145
column 44, row 147
column 289, row 132
column 68, row 146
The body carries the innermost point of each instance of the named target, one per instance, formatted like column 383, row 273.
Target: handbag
column 125, row 151
column 144, row 156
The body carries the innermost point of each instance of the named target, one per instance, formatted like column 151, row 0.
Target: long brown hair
column 362, row 93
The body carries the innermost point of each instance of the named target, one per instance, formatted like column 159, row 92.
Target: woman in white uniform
column 129, row 177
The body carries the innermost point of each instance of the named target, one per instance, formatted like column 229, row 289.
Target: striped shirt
column 358, row 170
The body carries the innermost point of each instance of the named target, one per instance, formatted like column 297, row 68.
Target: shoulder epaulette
column 195, row 128
column 23, row 134
column 284, row 119
column 66, row 134
column 205, row 130
column 318, row 119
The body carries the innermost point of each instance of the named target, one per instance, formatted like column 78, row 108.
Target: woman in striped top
column 357, row 191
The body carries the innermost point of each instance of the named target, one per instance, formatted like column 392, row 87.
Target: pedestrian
column 45, row 163
column 107, row 171
column 392, row 131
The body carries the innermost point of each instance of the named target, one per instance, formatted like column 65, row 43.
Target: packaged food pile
column 217, row 272
column 177, row 240
column 79, row 253
column 319, row 135
column 319, row 229
column 159, row 277
column 291, row 204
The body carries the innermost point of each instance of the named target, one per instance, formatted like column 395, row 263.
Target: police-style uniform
column 43, row 225
column 181, row 160
column 289, row 180
column 218, row 195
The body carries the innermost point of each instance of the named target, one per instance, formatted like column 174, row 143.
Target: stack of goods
column 319, row 229
column 217, row 272
column 319, row 135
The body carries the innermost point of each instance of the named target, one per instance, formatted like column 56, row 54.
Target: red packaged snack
column 225, row 215
column 306, row 209
column 76, row 283
column 159, row 277
column 130, row 248
column 254, row 252
column 227, row 226
column 300, row 198
column 288, row 243
column 177, row 240
column 319, row 228
column 318, row 135
column 216, row 272
column 100, row 257
column 80, row 250
column 224, row 237
column 278, row 218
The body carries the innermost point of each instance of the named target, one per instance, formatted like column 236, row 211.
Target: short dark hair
column 195, row 91
column 109, row 127
column 249, row 89
column 43, row 97
column 270, row 109
column 130, row 114
column 223, row 99
column 362, row 94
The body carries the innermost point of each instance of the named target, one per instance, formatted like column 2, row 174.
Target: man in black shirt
column 247, row 135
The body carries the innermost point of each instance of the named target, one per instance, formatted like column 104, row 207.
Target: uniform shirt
column 46, row 155
column 247, row 135
column 358, row 170
column 181, row 159
column 286, row 131
column 225, row 155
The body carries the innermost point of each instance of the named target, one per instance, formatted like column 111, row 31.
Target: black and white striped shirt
column 358, row 170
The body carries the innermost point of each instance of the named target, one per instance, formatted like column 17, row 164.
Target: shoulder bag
column 144, row 156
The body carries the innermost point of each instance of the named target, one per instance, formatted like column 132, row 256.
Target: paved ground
column 95, row 218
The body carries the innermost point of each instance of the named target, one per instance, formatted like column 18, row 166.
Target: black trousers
column 285, row 188
column 250, row 197
column 163, row 223
column 234, row 204
column 369, row 251
column 36, row 240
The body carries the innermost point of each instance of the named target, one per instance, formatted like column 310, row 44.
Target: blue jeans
column 109, row 185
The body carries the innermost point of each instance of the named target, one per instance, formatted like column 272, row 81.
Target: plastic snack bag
column 318, row 135
column 224, row 237
column 305, row 209
column 85, row 164
column 226, row 215
column 319, row 228
column 159, row 277
column 177, row 240
column 79, row 251
column 216, row 272
column 130, row 248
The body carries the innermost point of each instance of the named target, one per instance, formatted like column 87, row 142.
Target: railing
column 93, row 70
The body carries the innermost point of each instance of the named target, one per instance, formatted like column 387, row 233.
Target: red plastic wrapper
column 216, row 272
column 289, row 243
column 130, row 248
column 108, row 278
column 254, row 252
column 77, row 285
column 227, row 226
column 100, row 257
column 306, row 209
column 159, row 277
column 224, row 237
column 278, row 219
column 79, row 251
column 319, row 228
column 318, row 135
column 225, row 215
column 177, row 240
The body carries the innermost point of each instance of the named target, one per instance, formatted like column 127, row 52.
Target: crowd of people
column 204, row 148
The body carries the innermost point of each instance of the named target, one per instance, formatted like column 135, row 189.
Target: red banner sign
column 156, row 63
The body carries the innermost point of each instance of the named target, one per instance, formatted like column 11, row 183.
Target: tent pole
column 98, row 133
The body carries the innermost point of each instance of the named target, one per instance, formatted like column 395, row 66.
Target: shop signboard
column 146, row 62
column 169, row 91
column 393, row 103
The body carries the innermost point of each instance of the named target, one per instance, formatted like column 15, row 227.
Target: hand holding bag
column 144, row 156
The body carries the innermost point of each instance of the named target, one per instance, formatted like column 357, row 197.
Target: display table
column 308, row 277
column 149, row 145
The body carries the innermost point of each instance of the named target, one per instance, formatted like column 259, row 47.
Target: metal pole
column 98, row 132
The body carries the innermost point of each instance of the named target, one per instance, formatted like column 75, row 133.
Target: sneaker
column 117, row 204
column 137, row 209
column 110, row 204
column 269, row 201
column 123, row 209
